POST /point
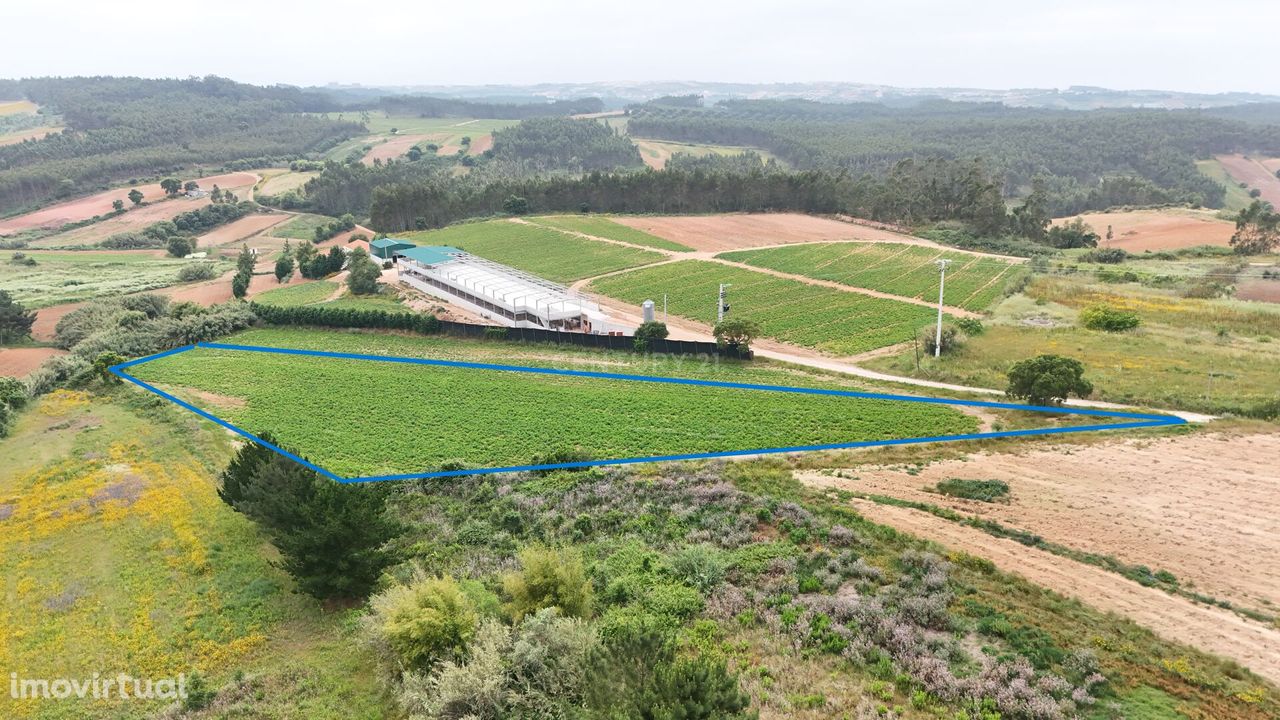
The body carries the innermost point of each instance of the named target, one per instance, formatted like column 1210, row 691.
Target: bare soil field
column 1271, row 164
column 1259, row 290
column 718, row 233
column 99, row 204
column 1255, row 173
column 480, row 144
column 393, row 148
column 1204, row 507
column 241, row 229
column 17, row 362
column 47, row 320
column 1140, row 230
column 35, row 133
column 1212, row 629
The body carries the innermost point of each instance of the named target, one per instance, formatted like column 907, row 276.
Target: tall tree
column 15, row 320
column 135, row 196
column 362, row 273
column 1257, row 229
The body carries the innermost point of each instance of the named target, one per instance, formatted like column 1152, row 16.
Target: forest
column 1142, row 156
column 427, row 106
column 553, row 144
column 122, row 128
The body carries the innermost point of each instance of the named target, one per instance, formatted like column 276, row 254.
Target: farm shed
column 504, row 294
column 387, row 248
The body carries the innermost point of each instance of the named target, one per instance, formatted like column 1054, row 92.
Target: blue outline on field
column 1139, row 420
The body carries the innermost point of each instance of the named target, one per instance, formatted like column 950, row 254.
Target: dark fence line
column 315, row 315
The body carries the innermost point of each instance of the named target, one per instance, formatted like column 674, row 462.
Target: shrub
column 675, row 601
column 549, row 577
column 982, row 490
column 1106, row 256
column 699, row 566
column 952, row 338
column 197, row 271
column 970, row 326
column 650, row 331
column 180, row 246
column 363, row 273
column 429, row 620
column 1048, row 379
column 1107, row 318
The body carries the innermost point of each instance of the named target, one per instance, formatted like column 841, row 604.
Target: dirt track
column 1158, row 229
column 1205, row 507
column 1255, row 173
column 17, row 362
column 99, row 204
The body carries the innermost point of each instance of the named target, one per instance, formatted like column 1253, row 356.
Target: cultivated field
column 100, row 204
column 972, row 283
column 1169, row 229
column 488, row 418
column 842, row 323
column 548, row 253
column 283, row 182
column 1237, row 197
column 17, row 362
column 1255, row 174
column 242, row 229
column 717, row 233
column 68, row 276
column 606, row 227
column 446, row 133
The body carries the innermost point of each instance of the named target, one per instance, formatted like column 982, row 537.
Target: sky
column 1197, row 46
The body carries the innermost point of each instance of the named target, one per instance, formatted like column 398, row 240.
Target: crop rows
column 973, row 282
column 365, row 417
column 606, row 228
column 59, row 277
column 843, row 323
column 542, row 251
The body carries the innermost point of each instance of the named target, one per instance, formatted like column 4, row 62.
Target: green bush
column 197, row 271
column 1048, row 379
column 1107, row 318
column 699, row 566
column 952, row 338
column 983, row 490
column 425, row 622
column 549, row 577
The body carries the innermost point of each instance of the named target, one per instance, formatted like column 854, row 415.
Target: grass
column 284, row 182
column 662, row 150
column 488, row 418
column 441, row 131
column 981, row 490
column 17, row 107
column 302, row 227
column 1237, row 197
column 68, row 276
column 542, row 251
column 972, row 282
column 836, row 321
column 1175, row 359
column 604, row 227
column 308, row 293
column 117, row 556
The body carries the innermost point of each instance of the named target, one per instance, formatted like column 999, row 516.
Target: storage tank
column 647, row 310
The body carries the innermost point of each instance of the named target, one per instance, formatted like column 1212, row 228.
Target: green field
column 542, row 251
column 973, row 282
column 376, row 418
column 601, row 226
column 441, row 131
column 308, row 293
column 660, row 151
column 1237, row 197
column 67, row 276
column 844, row 323
column 1176, row 359
column 302, row 227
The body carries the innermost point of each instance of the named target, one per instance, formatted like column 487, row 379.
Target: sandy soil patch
column 1212, row 629
column 47, row 319
column 1205, row 507
column 241, row 229
column 718, row 233
column 480, row 144
column 394, row 148
column 17, row 362
column 1141, row 230
column 204, row 398
column 99, row 204
column 1256, row 173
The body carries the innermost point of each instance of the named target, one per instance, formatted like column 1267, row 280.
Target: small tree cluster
column 15, row 319
column 321, row 316
column 363, row 273
column 1102, row 316
column 1048, row 379
column 335, row 228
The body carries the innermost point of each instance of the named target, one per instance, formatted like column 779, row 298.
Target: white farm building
column 503, row 294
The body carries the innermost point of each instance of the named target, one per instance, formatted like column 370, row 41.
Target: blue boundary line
column 1141, row 420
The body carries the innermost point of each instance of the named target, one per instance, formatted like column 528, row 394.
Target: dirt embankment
column 1204, row 507
column 1171, row 229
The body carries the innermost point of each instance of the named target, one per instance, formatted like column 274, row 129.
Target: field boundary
column 1137, row 420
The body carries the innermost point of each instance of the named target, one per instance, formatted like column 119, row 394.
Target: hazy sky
column 1201, row 45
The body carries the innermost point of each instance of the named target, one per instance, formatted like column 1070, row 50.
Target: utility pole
column 942, row 283
column 664, row 308
column 721, row 306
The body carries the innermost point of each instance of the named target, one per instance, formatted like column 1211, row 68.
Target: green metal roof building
column 431, row 255
column 386, row 248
